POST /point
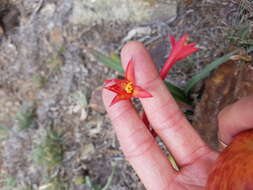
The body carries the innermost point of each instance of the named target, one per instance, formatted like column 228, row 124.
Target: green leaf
column 178, row 93
column 109, row 180
column 205, row 72
column 112, row 62
column 210, row 67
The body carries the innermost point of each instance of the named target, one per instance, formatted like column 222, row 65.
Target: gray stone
column 87, row 151
column 134, row 11
column 96, row 101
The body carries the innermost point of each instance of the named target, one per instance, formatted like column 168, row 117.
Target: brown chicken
column 234, row 167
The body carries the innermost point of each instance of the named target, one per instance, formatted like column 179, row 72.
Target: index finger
column 138, row 145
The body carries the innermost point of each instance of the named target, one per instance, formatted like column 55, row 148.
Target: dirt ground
column 54, row 131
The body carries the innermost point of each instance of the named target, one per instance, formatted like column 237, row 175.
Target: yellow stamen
column 129, row 88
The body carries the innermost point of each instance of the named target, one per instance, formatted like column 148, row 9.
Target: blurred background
column 54, row 56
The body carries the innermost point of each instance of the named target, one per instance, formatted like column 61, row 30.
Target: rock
column 96, row 101
column 27, row 89
column 230, row 82
column 159, row 51
column 135, row 11
column 137, row 32
column 84, row 115
column 95, row 126
column 80, row 104
column 86, row 151
column 11, row 18
column 9, row 107
column 1, row 31
column 56, row 36
column 76, row 109
column 48, row 10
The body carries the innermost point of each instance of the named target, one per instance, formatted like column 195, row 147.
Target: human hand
column 140, row 148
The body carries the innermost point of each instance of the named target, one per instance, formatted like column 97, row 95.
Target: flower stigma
column 129, row 88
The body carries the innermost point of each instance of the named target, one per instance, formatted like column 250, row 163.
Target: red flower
column 180, row 50
column 126, row 88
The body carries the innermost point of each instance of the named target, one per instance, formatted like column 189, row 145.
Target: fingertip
column 223, row 123
column 130, row 48
column 144, row 68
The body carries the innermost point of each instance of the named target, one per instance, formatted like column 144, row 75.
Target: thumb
column 235, row 118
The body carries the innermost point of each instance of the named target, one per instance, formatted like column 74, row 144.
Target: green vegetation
column 50, row 151
column 206, row 71
column 9, row 183
column 56, row 183
column 3, row 132
column 179, row 94
column 114, row 63
column 39, row 80
column 27, row 118
column 88, row 182
column 53, row 64
column 241, row 35
column 49, row 154
column 61, row 51
column 55, row 61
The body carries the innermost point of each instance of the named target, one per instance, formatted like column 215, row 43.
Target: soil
column 54, row 131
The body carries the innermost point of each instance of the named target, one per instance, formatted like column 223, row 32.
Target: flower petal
column 186, row 52
column 108, row 81
column 180, row 50
column 118, row 98
column 116, row 88
column 192, row 44
column 140, row 93
column 112, row 80
column 129, row 75
column 183, row 40
column 177, row 48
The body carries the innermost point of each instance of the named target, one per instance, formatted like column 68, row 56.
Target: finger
column 235, row 118
column 162, row 111
column 138, row 145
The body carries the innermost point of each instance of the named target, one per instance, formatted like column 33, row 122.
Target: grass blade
column 205, row 72
column 210, row 67
column 111, row 62
column 178, row 93
column 109, row 180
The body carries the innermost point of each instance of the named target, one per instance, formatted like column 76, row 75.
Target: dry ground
column 54, row 131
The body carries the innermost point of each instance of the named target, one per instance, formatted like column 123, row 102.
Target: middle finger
column 162, row 111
